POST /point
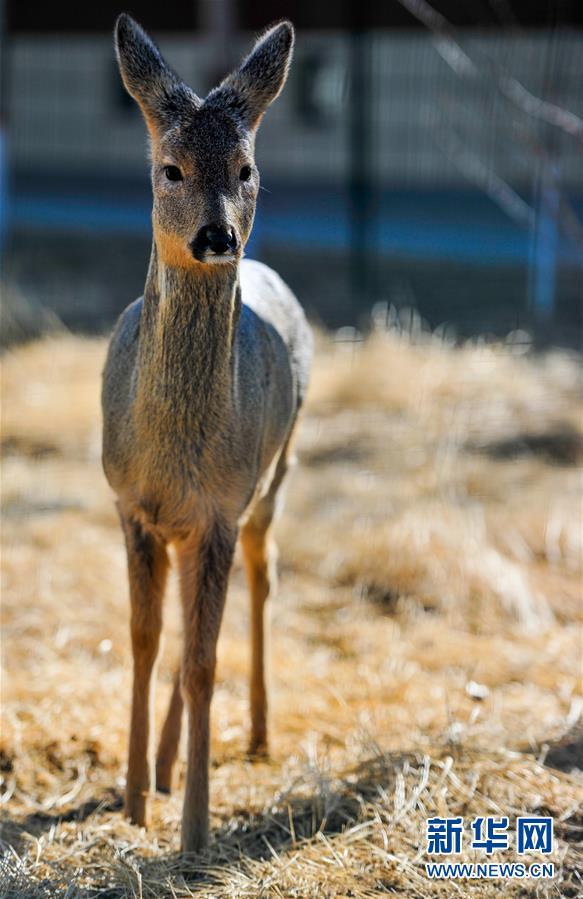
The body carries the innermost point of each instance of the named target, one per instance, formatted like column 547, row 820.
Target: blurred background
column 421, row 157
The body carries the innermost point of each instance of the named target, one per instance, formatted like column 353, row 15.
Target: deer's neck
column 186, row 345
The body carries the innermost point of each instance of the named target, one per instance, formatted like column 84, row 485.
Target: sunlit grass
column 431, row 542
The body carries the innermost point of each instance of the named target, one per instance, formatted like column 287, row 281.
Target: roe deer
column 202, row 386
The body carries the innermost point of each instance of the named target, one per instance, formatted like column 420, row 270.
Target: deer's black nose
column 214, row 238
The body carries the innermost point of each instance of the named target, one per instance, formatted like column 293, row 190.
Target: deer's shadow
column 314, row 804
column 12, row 833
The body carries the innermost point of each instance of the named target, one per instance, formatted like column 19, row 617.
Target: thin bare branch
column 492, row 184
column 468, row 162
column 458, row 60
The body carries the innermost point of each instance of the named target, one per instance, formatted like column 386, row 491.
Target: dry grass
column 432, row 541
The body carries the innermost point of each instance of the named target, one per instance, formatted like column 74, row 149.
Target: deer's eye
column 245, row 173
column 173, row 173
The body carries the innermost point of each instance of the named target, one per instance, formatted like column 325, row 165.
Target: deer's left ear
column 248, row 91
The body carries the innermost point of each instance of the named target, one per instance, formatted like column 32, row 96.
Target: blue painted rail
column 453, row 225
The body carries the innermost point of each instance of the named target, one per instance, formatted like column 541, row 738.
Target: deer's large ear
column 159, row 93
column 248, row 91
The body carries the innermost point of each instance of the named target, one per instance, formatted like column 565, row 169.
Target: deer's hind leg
column 147, row 568
column 170, row 738
column 260, row 560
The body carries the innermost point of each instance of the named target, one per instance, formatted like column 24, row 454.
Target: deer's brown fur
column 203, row 383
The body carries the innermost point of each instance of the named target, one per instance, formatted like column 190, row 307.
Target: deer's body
column 203, row 383
column 201, row 391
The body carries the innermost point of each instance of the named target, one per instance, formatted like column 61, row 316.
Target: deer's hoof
column 258, row 750
column 164, row 782
column 193, row 843
column 136, row 809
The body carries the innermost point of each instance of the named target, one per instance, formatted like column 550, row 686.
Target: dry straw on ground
column 427, row 634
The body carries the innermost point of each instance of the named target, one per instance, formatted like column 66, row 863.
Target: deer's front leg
column 147, row 567
column 204, row 572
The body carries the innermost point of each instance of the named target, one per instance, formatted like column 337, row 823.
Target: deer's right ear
column 249, row 90
column 156, row 89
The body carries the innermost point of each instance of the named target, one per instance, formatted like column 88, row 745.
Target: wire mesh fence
column 438, row 168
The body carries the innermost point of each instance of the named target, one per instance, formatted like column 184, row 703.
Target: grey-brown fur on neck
column 185, row 356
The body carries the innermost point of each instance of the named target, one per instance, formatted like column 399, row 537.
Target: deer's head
column 204, row 177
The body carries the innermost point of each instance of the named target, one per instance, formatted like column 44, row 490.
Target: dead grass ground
column 431, row 543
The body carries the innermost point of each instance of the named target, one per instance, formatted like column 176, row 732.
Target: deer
column 203, row 384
